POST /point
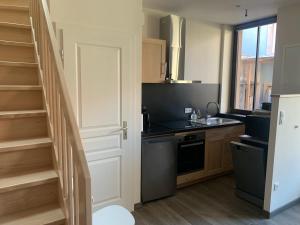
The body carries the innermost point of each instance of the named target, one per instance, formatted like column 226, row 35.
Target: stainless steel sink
column 215, row 121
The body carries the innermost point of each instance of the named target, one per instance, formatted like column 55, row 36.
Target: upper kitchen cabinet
column 154, row 60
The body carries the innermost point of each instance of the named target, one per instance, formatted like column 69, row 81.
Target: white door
column 99, row 84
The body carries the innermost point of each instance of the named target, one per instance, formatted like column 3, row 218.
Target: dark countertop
column 156, row 130
column 172, row 127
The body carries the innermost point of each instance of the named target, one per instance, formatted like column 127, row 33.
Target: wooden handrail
column 71, row 163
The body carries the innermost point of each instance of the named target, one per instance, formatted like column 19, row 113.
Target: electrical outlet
column 188, row 110
column 276, row 186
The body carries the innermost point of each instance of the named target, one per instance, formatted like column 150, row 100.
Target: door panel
column 110, row 190
column 99, row 76
column 100, row 88
column 99, row 144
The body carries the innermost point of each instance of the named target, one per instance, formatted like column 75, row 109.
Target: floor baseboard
column 138, row 205
column 269, row 215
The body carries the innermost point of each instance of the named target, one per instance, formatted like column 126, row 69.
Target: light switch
column 276, row 186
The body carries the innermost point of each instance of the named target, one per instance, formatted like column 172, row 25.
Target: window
column 253, row 64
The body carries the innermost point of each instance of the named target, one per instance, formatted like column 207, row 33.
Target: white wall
column 116, row 14
column 226, row 68
column 288, row 34
column 284, row 155
column 114, row 24
column 203, row 51
column 203, row 46
column 208, row 51
column 152, row 23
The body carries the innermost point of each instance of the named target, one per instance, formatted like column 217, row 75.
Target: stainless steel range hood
column 173, row 30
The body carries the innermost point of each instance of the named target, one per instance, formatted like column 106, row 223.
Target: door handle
column 125, row 130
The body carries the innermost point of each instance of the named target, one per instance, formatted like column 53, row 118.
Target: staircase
column 33, row 179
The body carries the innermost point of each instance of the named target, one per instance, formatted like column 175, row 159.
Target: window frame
column 236, row 29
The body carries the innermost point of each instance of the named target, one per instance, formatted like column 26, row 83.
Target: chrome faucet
column 208, row 104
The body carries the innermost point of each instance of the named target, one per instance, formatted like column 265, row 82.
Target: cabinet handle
column 192, row 145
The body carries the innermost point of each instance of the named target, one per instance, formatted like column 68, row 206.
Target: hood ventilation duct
column 173, row 30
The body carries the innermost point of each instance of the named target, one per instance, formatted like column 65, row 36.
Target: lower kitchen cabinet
column 218, row 149
column 214, row 157
column 218, row 156
column 227, row 163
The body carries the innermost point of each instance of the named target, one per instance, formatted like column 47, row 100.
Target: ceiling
column 220, row 11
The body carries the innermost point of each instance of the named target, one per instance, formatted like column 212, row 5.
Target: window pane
column 265, row 64
column 245, row 67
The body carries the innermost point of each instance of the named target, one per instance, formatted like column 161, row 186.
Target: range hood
column 173, row 30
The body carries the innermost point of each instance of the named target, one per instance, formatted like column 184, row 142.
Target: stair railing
column 71, row 163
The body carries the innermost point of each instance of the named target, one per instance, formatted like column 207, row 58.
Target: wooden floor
column 210, row 203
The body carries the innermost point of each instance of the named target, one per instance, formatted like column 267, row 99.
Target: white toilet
column 113, row 215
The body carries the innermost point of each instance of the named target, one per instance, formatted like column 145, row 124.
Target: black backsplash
column 166, row 102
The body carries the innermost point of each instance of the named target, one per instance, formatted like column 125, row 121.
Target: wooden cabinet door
column 227, row 154
column 214, row 157
column 218, row 149
column 214, row 151
column 154, row 61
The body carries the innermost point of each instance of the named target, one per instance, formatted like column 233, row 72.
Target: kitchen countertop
column 172, row 127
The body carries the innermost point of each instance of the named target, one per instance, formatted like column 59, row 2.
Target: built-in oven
column 190, row 152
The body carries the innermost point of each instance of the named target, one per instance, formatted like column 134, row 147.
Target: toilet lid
column 113, row 215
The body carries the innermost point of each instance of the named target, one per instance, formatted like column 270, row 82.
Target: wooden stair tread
column 18, row 64
column 15, row 25
column 50, row 214
column 16, row 43
column 29, row 185
column 24, row 180
column 25, row 144
column 20, row 87
column 21, row 114
column 14, row 7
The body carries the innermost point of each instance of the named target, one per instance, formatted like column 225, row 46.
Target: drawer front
column 226, row 132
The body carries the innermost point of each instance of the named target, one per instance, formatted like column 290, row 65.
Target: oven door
column 190, row 156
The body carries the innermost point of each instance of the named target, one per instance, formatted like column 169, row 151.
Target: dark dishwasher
column 159, row 163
